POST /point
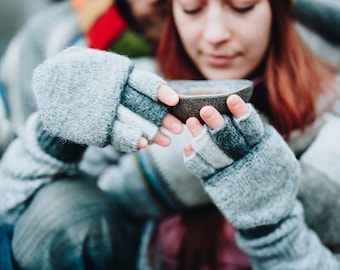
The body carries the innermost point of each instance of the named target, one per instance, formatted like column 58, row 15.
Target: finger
column 211, row 117
column 161, row 139
column 172, row 124
column 142, row 143
column 237, row 106
column 194, row 126
column 167, row 95
column 188, row 150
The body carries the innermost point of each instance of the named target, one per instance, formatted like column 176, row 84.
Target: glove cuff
column 58, row 148
column 259, row 231
column 264, row 184
column 79, row 92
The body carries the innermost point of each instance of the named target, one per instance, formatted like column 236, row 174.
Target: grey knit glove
column 248, row 170
column 97, row 98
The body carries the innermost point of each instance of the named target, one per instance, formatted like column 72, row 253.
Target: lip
column 219, row 60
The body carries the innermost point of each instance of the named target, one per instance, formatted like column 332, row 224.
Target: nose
column 217, row 27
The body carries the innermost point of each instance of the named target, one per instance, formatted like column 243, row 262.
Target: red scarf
column 106, row 28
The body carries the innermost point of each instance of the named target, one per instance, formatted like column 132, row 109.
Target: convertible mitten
column 247, row 169
column 97, row 98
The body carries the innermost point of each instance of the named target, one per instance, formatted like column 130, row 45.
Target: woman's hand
column 102, row 99
column 213, row 118
column 169, row 97
column 246, row 167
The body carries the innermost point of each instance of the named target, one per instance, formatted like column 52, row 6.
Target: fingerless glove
column 97, row 98
column 247, row 169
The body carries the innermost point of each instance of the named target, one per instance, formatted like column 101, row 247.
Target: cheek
column 188, row 36
column 189, row 41
column 257, row 41
column 189, row 30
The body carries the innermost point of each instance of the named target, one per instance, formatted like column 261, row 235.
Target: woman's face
column 226, row 39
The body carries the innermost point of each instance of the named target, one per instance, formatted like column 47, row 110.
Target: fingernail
column 172, row 98
column 176, row 127
column 191, row 123
column 163, row 140
column 234, row 101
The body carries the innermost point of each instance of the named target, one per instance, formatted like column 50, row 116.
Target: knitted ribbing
column 58, row 148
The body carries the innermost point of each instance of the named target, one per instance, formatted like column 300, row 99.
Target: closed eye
column 192, row 11
column 243, row 9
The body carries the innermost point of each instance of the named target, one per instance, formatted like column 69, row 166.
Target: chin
column 224, row 74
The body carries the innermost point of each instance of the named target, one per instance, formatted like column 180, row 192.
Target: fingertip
column 194, row 126
column 161, row 139
column 188, row 150
column 142, row 143
column 167, row 95
column 211, row 117
column 237, row 106
column 207, row 111
column 191, row 122
column 234, row 100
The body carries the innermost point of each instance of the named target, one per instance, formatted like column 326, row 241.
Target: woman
column 238, row 47
column 252, row 189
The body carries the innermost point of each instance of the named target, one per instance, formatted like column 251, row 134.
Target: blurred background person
column 13, row 15
column 130, row 27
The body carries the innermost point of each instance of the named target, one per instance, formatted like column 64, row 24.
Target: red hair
column 293, row 76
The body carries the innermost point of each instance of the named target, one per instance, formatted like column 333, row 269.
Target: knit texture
column 25, row 160
column 324, row 205
column 320, row 180
column 57, row 147
column 291, row 246
column 256, row 189
column 96, row 80
column 45, row 34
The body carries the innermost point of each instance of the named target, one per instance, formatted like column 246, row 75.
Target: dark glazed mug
column 195, row 94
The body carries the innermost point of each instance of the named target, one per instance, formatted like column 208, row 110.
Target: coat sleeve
column 291, row 245
column 320, row 183
column 26, row 167
column 37, row 158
